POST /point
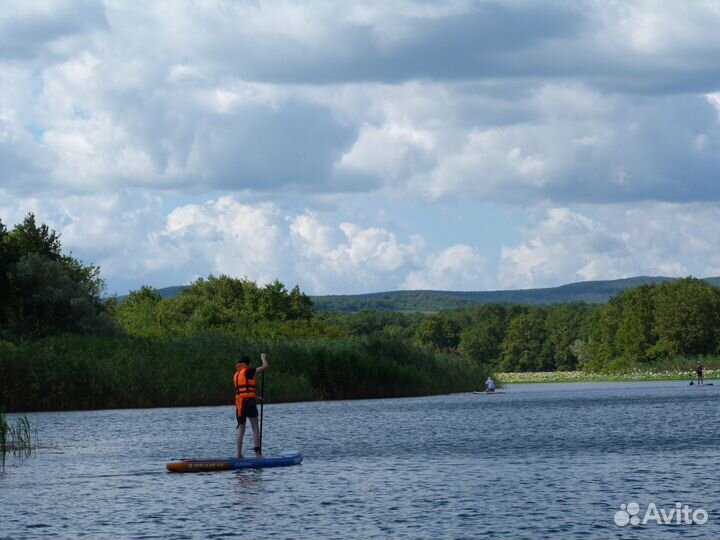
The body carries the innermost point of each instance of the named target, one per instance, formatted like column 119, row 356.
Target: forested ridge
column 64, row 346
column 591, row 292
column 428, row 301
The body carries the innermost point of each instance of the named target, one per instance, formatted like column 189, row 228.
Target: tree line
column 44, row 292
column 647, row 326
column 52, row 309
column 217, row 303
column 642, row 326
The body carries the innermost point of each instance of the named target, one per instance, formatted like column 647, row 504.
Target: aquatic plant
column 15, row 439
column 4, row 443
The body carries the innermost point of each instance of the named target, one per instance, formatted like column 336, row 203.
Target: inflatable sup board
column 284, row 459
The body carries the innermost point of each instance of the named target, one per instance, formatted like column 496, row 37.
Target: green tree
column 45, row 292
column 687, row 318
column 173, row 315
column 601, row 339
column 523, row 348
column 274, row 302
column 300, row 305
column 563, row 326
column 482, row 340
column 138, row 313
column 634, row 335
column 29, row 237
column 219, row 303
column 50, row 301
column 439, row 332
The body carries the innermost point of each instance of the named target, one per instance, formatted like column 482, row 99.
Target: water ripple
column 540, row 461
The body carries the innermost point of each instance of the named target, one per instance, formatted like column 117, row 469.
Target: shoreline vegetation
column 84, row 373
column 582, row 376
column 65, row 347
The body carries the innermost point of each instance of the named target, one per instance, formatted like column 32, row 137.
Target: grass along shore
column 84, row 373
column 583, row 376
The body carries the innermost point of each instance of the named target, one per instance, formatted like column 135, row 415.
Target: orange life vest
column 244, row 387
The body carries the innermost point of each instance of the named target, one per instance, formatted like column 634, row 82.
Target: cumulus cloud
column 110, row 231
column 44, row 27
column 494, row 100
column 564, row 142
column 225, row 236
column 564, row 245
column 458, row 267
column 235, row 238
column 349, row 258
column 110, row 112
column 135, row 241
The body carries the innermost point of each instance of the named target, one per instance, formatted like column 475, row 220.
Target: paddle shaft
column 262, row 403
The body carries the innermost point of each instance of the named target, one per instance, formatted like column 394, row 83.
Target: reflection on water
column 539, row 461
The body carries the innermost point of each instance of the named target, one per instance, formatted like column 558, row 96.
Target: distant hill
column 165, row 292
column 592, row 292
column 170, row 292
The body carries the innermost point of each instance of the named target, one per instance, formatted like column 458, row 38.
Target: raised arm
column 265, row 365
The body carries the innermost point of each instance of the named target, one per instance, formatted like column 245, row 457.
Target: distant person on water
column 246, row 400
column 699, row 370
column 490, row 385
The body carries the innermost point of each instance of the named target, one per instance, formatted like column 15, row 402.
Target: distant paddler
column 699, row 369
column 246, row 401
column 490, row 385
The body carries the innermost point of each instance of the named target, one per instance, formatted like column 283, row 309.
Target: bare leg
column 256, row 435
column 240, row 435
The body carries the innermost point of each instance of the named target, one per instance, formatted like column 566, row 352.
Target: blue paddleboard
column 284, row 459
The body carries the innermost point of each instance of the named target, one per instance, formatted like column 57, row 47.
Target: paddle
column 262, row 403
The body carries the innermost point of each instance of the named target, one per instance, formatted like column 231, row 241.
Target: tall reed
column 22, row 436
column 15, row 439
column 4, row 440
column 71, row 372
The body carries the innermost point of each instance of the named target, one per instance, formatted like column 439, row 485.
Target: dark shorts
column 249, row 410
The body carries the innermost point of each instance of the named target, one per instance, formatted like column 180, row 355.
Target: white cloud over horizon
column 227, row 236
column 277, row 140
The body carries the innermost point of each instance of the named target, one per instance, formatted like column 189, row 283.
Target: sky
column 366, row 146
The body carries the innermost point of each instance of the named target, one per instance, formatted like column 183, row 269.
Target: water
column 540, row 461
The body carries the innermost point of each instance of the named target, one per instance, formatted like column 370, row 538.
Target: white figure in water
column 490, row 385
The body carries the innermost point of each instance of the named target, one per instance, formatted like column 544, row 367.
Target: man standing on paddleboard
column 699, row 371
column 246, row 401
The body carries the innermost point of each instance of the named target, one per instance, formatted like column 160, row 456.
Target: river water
column 538, row 461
